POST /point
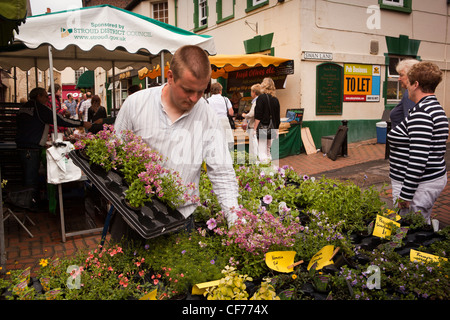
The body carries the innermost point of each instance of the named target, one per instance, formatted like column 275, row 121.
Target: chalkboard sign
column 242, row 80
column 329, row 88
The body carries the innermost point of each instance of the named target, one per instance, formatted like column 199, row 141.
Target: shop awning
column 223, row 64
column 86, row 80
column 153, row 73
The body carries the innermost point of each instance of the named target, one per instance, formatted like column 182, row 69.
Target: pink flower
column 211, row 223
column 267, row 199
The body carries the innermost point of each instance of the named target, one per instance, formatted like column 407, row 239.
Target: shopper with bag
column 267, row 119
column 222, row 106
column 33, row 122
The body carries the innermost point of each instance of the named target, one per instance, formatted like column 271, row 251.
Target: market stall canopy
column 95, row 37
column 12, row 14
column 154, row 72
column 223, row 64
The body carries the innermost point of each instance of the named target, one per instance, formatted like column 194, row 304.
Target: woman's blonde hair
column 256, row 88
column 268, row 86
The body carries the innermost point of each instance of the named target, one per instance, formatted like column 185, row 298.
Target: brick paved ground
column 23, row 251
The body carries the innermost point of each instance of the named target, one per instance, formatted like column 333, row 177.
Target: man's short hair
column 427, row 74
column 191, row 58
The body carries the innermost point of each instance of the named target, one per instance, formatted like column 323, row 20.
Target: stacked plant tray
column 149, row 221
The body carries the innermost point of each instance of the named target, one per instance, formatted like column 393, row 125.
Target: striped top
column 418, row 145
column 196, row 136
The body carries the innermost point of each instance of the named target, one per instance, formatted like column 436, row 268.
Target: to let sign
column 361, row 83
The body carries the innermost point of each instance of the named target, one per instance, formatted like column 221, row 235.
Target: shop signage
column 362, row 83
column 242, row 80
column 328, row 88
column 308, row 55
column 72, row 89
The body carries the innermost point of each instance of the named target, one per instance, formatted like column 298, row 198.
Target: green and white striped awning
column 99, row 36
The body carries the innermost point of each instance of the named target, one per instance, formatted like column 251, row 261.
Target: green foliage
column 342, row 201
column 192, row 259
column 279, row 210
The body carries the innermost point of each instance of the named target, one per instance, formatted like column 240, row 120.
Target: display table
column 290, row 141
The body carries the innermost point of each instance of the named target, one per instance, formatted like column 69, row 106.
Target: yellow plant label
column 418, row 256
column 323, row 257
column 383, row 227
column 150, row 296
column 200, row 288
column 280, row 260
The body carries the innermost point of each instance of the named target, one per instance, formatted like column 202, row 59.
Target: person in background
column 71, row 106
column 267, row 108
column 82, row 99
column 134, row 88
column 57, row 98
column 255, row 91
column 235, row 101
column 96, row 112
column 223, row 108
column 85, row 105
column 418, row 144
column 33, row 122
column 401, row 110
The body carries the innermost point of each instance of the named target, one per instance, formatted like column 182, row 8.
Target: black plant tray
column 152, row 220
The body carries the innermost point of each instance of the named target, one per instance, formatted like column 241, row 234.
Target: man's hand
column 87, row 125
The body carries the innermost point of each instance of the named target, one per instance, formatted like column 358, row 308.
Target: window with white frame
column 396, row 3
column 160, row 11
column 202, row 13
column 78, row 73
column 256, row 2
column 394, row 90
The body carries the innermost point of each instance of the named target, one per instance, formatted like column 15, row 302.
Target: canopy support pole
column 2, row 234
column 15, row 85
column 52, row 88
column 114, row 88
column 55, row 136
column 162, row 68
column 36, row 73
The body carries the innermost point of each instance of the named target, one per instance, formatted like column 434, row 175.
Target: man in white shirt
column 175, row 120
column 83, row 111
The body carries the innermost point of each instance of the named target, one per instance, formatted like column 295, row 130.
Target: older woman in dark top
column 401, row 111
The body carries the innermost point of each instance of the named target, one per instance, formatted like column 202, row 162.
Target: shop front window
column 394, row 91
